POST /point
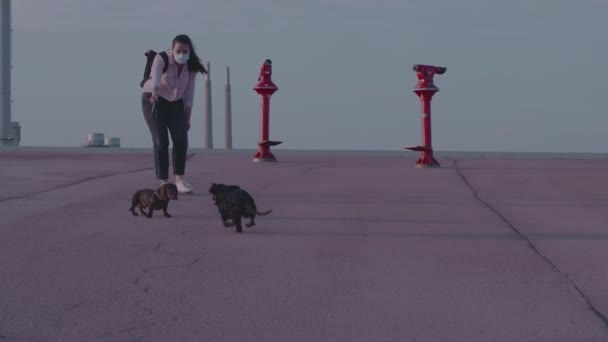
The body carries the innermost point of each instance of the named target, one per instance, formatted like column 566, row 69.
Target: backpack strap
column 150, row 55
column 165, row 57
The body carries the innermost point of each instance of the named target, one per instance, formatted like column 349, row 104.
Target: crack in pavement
column 278, row 180
column 17, row 338
column 314, row 168
column 111, row 297
column 126, row 330
column 173, row 254
column 87, row 303
column 74, row 183
column 156, row 268
column 268, row 184
column 92, row 236
column 78, row 182
column 158, row 248
column 16, row 244
column 531, row 245
column 173, row 319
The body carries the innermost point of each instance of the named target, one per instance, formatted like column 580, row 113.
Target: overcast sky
column 522, row 75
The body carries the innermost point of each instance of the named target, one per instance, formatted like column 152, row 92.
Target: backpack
column 150, row 54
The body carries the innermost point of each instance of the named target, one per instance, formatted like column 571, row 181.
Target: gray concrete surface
column 356, row 249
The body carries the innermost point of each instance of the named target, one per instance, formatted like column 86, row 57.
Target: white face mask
column 181, row 58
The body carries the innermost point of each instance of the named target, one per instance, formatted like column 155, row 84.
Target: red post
column 425, row 89
column 265, row 88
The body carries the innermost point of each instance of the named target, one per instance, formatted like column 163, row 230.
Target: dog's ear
column 163, row 192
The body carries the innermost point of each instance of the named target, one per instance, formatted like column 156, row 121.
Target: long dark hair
column 194, row 62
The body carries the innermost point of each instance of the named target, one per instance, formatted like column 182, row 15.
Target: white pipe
column 5, row 73
column 227, row 112
column 208, row 110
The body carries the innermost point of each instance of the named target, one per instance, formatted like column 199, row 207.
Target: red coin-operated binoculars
column 265, row 88
column 425, row 89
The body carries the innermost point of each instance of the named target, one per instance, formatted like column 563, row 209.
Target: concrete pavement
column 356, row 249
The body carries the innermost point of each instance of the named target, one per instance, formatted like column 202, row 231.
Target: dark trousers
column 166, row 117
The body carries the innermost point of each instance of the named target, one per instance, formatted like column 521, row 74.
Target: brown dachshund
column 153, row 200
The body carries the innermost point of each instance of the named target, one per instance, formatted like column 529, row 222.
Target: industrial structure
column 227, row 112
column 8, row 129
column 208, row 110
column 99, row 140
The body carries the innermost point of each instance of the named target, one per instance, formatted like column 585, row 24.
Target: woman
column 167, row 106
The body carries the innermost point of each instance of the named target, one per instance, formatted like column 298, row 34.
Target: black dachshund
column 234, row 203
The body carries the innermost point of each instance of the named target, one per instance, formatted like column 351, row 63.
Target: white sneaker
column 183, row 187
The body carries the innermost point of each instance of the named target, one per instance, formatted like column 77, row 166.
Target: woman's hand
column 154, row 96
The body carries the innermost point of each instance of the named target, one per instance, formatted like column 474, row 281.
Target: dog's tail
column 263, row 213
